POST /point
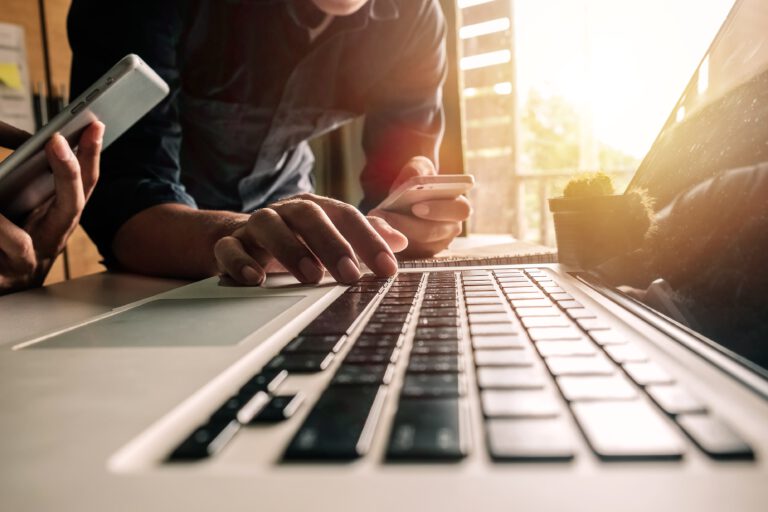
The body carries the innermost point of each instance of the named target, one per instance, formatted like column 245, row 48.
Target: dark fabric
column 248, row 89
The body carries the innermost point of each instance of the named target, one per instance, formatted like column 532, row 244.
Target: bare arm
column 174, row 240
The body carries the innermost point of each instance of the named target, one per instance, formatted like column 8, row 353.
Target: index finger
column 364, row 239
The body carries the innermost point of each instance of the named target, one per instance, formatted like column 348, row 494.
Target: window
column 555, row 87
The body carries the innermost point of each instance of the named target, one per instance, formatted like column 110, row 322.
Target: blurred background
column 537, row 91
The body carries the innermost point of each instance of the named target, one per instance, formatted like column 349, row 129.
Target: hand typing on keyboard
column 305, row 234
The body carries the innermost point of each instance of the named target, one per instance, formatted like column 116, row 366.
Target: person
column 218, row 178
column 27, row 252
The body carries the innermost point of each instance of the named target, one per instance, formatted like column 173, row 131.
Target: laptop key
column 229, row 410
column 445, row 321
column 537, row 439
column 586, row 365
column 532, row 303
column 264, row 381
column 675, row 400
column 300, row 363
column 340, row 426
column 315, row 344
column 550, row 311
column 507, row 341
column 608, row 337
column 503, row 357
column 205, row 441
column 438, row 333
column 362, row 375
column 440, row 385
column 485, row 308
column 490, row 377
column 438, row 312
column 580, row 313
column 546, row 321
column 715, row 437
column 519, row 403
column 429, row 429
column 625, row 353
column 627, row 430
column 427, row 348
column 645, row 374
column 279, row 408
column 434, row 364
column 565, row 348
column 614, row 387
column 554, row 333
column 492, row 329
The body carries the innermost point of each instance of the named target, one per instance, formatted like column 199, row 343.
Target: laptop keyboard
column 515, row 335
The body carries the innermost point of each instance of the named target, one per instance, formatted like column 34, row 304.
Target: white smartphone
column 427, row 188
column 118, row 99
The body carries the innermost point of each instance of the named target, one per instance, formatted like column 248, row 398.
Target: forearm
column 173, row 240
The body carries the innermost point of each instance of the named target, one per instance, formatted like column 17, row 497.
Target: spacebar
column 340, row 426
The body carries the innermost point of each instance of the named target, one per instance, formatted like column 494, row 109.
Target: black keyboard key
column 315, row 344
column 264, row 381
column 378, row 341
column 279, row 408
column 383, row 309
column 627, row 430
column 443, row 321
column 362, row 355
column 340, row 426
column 300, row 363
column 713, row 436
column 438, row 312
column 438, row 333
column 440, row 385
column 384, row 328
column 434, row 364
column 429, row 429
column 231, row 409
column 363, row 375
column 392, row 318
column 432, row 348
column 440, row 304
column 535, row 439
column 340, row 316
column 206, row 441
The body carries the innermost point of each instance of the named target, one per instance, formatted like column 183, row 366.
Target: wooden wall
column 83, row 258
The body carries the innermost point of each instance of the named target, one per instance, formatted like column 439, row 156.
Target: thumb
column 416, row 166
column 394, row 238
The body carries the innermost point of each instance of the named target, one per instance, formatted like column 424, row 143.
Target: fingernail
column 61, row 148
column 310, row 270
column 251, row 275
column 348, row 271
column 386, row 263
column 420, row 209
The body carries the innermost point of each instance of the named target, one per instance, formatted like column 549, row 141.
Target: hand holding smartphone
column 426, row 188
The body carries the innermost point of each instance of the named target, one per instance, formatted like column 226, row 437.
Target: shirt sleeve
column 406, row 117
column 141, row 168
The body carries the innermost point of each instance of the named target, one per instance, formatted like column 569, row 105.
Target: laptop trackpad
column 177, row 323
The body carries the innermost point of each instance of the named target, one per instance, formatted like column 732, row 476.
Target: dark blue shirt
column 248, row 89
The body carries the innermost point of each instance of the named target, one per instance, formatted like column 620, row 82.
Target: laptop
column 643, row 386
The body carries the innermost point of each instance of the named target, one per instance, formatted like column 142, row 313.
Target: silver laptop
column 642, row 386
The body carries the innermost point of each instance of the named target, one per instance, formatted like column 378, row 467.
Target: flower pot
column 591, row 230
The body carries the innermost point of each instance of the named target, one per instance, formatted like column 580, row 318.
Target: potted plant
column 592, row 224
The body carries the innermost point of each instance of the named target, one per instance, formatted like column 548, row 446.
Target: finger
column 420, row 231
column 395, row 239
column 416, row 166
column 12, row 137
column 308, row 220
column 452, row 210
column 17, row 247
column 267, row 229
column 89, row 154
column 234, row 261
column 366, row 242
column 69, row 199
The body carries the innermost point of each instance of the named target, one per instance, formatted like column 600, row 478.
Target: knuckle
column 263, row 215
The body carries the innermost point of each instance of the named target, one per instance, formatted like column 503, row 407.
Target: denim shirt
column 248, row 90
